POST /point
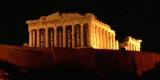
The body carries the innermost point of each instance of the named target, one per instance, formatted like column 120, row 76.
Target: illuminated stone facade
column 131, row 44
column 71, row 30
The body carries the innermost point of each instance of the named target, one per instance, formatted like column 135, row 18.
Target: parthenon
column 71, row 30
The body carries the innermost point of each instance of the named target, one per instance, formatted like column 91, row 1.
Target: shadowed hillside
column 81, row 64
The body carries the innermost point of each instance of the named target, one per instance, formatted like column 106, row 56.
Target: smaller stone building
column 131, row 44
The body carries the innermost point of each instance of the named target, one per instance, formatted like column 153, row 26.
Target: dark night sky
column 136, row 18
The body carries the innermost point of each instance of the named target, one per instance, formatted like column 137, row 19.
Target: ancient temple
column 71, row 30
column 131, row 44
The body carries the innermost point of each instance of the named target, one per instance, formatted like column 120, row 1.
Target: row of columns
column 38, row 38
column 104, row 39
column 132, row 47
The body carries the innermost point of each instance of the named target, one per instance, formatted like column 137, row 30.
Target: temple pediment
column 71, row 15
column 58, row 16
column 54, row 16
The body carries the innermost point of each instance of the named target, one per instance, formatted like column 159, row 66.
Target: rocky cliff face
column 47, row 63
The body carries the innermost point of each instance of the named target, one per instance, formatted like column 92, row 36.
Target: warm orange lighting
column 131, row 44
column 73, row 30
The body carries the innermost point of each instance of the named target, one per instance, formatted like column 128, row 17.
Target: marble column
column 64, row 36
column 38, row 39
column 109, row 47
column 30, row 38
column 135, row 47
column 117, row 45
column 113, row 41
column 46, row 35
column 138, row 48
column 96, row 36
column 110, row 40
column 101, row 40
column 81, row 32
column 104, row 40
column 33, row 38
column 73, row 38
column 107, row 40
column 101, row 45
column 129, row 46
column 132, row 47
column 94, row 31
column 55, row 37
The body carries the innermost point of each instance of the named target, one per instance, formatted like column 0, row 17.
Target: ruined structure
column 132, row 44
column 72, row 30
